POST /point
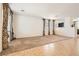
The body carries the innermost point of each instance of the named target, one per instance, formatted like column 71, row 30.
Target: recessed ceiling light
column 22, row 10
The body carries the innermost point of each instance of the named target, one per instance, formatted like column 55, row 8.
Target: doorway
column 76, row 22
column 77, row 25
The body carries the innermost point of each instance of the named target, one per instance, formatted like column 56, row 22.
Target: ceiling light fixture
column 22, row 10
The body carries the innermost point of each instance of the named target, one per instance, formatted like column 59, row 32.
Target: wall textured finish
column 5, row 24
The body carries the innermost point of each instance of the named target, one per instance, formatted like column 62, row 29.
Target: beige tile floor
column 43, row 46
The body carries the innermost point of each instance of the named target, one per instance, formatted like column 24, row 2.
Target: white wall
column 9, row 24
column 77, row 24
column 0, row 28
column 46, row 27
column 67, row 30
column 27, row 26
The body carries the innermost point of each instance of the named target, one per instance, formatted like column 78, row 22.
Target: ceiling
column 47, row 10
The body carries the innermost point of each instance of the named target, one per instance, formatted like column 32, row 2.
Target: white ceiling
column 46, row 9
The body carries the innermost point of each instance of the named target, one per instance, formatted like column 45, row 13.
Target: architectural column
column 4, row 28
column 49, row 27
column 53, row 27
column 43, row 27
column 11, row 26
